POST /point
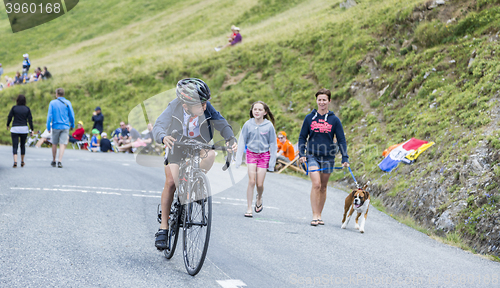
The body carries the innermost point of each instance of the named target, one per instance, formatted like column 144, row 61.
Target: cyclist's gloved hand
column 232, row 144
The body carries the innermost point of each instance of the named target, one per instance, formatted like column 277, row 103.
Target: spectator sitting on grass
column 105, row 144
column 33, row 78
column 233, row 34
column 46, row 74
column 286, row 152
column 78, row 134
column 120, row 135
column 9, row 81
column 94, row 142
column 45, row 138
column 135, row 141
column 237, row 39
column 18, row 79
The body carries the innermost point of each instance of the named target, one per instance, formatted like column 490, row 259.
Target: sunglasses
column 281, row 137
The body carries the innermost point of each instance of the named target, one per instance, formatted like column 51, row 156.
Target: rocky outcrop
column 348, row 4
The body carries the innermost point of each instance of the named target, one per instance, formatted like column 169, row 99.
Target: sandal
column 15, row 165
column 249, row 215
column 258, row 208
column 314, row 222
column 22, row 164
column 320, row 222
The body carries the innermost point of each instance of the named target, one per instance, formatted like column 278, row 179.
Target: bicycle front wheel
column 173, row 232
column 197, row 223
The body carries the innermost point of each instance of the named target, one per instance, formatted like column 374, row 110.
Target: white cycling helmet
column 25, row 55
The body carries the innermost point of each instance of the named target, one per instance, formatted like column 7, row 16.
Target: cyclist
column 195, row 118
column 317, row 148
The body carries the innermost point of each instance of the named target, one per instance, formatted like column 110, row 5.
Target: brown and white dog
column 358, row 200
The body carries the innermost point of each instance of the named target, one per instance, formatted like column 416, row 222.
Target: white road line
column 268, row 221
column 154, row 196
column 109, row 188
column 232, row 283
column 64, row 190
column 242, row 204
column 234, row 199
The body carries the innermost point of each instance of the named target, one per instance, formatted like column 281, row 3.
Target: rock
column 414, row 47
column 348, row 4
column 406, row 43
column 453, row 61
column 471, row 60
column 440, row 2
column 473, row 54
column 427, row 75
column 381, row 92
column 445, row 221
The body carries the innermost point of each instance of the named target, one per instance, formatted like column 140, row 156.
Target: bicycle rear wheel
column 173, row 231
column 197, row 223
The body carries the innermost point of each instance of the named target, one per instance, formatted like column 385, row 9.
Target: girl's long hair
column 269, row 115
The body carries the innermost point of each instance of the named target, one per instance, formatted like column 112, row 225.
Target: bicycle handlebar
column 197, row 145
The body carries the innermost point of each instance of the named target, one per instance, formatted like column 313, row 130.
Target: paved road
column 92, row 224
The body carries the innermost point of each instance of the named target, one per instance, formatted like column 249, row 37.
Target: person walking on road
column 317, row 148
column 62, row 118
column 98, row 119
column 22, row 116
column 259, row 136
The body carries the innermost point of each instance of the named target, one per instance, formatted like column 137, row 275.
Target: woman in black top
column 22, row 115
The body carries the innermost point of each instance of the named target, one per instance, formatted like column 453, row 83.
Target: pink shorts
column 261, row 159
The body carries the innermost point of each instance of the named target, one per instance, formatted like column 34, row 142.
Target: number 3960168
column 33, row 8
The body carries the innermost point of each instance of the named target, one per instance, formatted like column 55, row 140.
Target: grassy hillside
column 398, row 69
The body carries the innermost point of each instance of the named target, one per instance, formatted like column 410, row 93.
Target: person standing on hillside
column 26, row 65
column 98, row 119
column 1, row 70
column 318, row 149
column 62, row 117
column 22, row 117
